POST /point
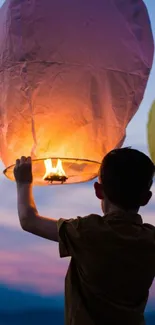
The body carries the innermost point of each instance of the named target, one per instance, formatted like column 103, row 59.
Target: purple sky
column 29, row 261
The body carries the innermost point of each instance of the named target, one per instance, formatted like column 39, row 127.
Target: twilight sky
column 34, row 263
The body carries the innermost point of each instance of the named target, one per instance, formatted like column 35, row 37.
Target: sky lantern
column 72, row 76
column 151, row 131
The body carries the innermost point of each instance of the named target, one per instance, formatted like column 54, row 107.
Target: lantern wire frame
column 76, row 171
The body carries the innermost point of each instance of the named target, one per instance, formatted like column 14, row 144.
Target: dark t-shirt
column 111, row 269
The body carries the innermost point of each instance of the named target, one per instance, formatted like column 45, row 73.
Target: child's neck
column 111, row 208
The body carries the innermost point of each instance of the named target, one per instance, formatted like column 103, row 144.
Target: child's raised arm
column 29, row 217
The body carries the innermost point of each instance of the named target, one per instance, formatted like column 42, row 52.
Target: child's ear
column 98, row 191
column 146, row 199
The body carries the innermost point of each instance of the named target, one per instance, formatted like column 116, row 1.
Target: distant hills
column 12, row 299
column 150, row 318
column 23, row 307
column 48, row 317
column 39, row 317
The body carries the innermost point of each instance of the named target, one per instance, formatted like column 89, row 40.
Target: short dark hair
column 126, row 174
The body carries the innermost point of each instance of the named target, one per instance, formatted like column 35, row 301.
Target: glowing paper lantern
column 72, row 75
column 151, row 132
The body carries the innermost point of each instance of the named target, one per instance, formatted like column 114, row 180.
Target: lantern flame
column 54, row 173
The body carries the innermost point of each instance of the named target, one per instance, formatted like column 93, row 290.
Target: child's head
column 125, row 179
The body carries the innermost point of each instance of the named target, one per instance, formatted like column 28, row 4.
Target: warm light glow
column 53, row 171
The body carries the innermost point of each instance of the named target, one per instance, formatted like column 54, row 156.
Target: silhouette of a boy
column 112, row 257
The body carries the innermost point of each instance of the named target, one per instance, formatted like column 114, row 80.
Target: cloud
column 1, row 2
column 31, row 270
column 29, row 261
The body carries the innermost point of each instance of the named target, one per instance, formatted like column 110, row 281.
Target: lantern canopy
column 72, row 75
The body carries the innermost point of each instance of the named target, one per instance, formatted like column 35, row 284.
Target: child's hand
column 23, row 170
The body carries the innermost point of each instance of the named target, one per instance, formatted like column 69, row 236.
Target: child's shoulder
column 149, row 226
column 93, row 220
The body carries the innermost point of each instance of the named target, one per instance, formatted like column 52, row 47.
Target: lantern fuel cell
column 54, row 173
column 72, row 76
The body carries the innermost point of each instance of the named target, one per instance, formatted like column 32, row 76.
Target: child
column 113, row 257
